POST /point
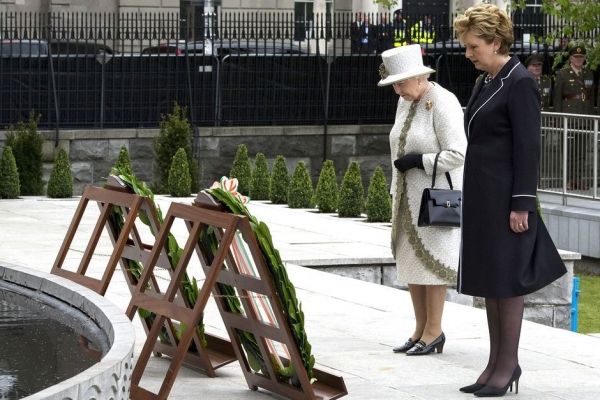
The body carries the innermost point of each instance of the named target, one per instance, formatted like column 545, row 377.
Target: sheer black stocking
column 493, row 319
column 510, row 317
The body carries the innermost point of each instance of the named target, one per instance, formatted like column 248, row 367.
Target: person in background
column 423, row 32
column 573, row 85
column 573, row 93
column 385, row 34
column 367, row 36
column 400, row 28
column 428, row 124
column 355, row 29
column 534, row 64
column 506, row 251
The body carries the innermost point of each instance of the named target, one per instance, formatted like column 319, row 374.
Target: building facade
column 304, row 7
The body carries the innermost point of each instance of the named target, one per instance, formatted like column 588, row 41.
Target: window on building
column 196, row 20
column 304, row 19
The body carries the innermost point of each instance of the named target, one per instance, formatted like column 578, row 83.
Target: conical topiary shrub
column 327, row 193
column 379, row 203
column 261, row 180
column 180, row 181
column 60, row 185
column 123, row 163
column 242, row 170
column 9, row 175
column 175, row 132
column 300, row 192
column 280, row 181
column 352, row 192
column 26, row 144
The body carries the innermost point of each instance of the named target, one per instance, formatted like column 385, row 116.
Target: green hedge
column 60, row 184
column 352, row 193
column 242, row 170
column 261, row 179
column 300, row 192
column 9, row 175
column 327, row 193
column 379, row 203
column 180, row 181
column 280, row 181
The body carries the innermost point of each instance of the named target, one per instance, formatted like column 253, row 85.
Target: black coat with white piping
column 502, row 123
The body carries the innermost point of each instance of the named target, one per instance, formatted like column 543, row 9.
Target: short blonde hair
column 487, row 22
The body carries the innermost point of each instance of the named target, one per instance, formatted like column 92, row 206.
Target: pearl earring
column 495, row 51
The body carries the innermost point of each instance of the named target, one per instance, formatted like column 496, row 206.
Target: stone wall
column 549, row 306
column 93, row 152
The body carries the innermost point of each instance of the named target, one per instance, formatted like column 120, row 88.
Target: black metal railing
column 89, row 70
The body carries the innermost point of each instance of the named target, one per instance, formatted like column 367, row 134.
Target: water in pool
column 42, row 343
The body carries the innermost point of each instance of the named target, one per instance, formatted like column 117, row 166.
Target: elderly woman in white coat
column 428, row 122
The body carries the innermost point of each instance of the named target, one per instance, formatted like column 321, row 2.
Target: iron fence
column 569, row 162
column 83, row 70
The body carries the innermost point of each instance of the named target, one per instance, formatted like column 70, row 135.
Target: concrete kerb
column 109, row 378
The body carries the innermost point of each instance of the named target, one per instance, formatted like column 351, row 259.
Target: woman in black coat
column 506, row 251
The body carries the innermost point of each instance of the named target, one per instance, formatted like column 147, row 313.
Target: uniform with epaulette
column 544, row 81
column 573, row 93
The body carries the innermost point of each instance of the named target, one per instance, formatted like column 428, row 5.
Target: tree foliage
column 327, row 193
column 175, row 133
column 242, row 170
column 123, row 163
column 300, row 193
column 60, row 185
column 180, row 181
column 352, row 192
column 26, row 144
column 379, row 203
column 9, row 175
column 280, row 181
column 388, row 4
column 579, row 23
column 261, row 179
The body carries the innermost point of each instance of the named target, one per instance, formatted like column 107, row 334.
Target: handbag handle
column 435, row 173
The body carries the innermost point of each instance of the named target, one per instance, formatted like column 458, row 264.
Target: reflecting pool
column 43, row 341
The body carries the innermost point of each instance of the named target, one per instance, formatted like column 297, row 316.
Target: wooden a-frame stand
column 222, row 269
column 129, row 247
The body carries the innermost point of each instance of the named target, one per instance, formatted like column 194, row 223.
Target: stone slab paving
column 351, row 324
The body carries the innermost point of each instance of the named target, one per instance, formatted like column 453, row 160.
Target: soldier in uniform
column 550, row 165
column 573, row 85
column 573, row 93
column 534, row 64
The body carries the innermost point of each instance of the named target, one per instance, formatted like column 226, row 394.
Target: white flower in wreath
column 230, row 185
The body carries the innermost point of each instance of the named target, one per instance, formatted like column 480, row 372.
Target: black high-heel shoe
column 421, row 348
column 488, row 391
column 406, row 346
column 472, row 388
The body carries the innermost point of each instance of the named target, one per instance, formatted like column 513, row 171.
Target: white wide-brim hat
column 402, row 63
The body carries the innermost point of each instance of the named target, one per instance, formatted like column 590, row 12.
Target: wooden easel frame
column 225, row 225
column 128, row 245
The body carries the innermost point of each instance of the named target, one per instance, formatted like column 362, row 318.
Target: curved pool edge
column 107, row 379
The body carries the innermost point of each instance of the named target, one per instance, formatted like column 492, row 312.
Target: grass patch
column 589, row 304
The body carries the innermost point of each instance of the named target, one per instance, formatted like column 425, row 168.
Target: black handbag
column 440, row 207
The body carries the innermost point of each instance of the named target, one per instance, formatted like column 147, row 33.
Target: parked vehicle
column 178, row 48
column 225, row 47
column 23, row 48
column 15, row 48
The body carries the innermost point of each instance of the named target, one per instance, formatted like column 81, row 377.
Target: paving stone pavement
column 352, row 325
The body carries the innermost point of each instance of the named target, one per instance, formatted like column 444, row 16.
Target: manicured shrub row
column 347, row 199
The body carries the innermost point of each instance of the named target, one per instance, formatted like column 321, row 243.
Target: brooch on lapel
column 428, row 105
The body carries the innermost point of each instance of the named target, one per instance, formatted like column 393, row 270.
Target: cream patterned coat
column 427, row 255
